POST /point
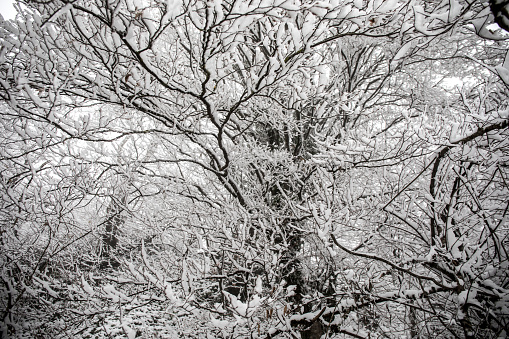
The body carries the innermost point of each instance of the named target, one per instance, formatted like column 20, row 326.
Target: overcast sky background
column 6, row 9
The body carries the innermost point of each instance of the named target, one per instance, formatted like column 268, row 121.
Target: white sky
column 6, row 9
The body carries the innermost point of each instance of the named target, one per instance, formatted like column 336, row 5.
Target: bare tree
column 273, row 167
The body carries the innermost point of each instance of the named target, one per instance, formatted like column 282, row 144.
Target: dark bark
column 115, row 219
column 500, row 10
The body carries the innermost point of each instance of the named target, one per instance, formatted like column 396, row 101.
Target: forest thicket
column 254, row 169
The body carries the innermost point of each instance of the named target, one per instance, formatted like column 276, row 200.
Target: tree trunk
column 412, row 319
column 112, row 225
